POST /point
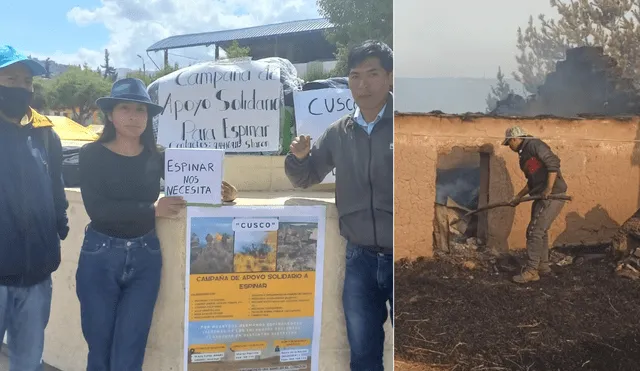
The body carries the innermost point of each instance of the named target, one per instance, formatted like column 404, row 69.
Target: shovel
column 508, row 203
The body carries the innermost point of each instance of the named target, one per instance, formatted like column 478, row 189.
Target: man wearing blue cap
column 33, row 217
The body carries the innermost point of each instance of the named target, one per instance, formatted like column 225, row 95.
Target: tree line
column 78, row 87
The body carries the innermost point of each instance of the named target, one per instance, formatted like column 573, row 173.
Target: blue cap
column 9, row 56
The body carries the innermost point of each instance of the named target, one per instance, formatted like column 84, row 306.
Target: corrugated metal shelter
column 298, row 41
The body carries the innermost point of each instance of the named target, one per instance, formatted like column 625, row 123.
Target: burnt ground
column 453, row 318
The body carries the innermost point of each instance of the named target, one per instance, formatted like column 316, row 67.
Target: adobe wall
column 599, row 161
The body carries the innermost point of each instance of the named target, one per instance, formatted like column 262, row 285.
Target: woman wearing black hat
column 118, row 275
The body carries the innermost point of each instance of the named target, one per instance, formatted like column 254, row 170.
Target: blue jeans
column 24, row 314
column 117, row 283
column 368, row 286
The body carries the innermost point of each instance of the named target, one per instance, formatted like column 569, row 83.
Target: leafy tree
column 498, row 92
column 165, row 71
column 40, row 94
column 77, row 89
column 256, row 250
column 236, row 51
column 356, row 21
column 612, row 24
column 145, row 77
column 148, row 78
column 226, row 237
column 315, row 71
column 47, row 68
column 109, row 71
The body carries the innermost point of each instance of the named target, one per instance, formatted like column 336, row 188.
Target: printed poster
column 316, row 110
column 229, row 106
column 254, row 288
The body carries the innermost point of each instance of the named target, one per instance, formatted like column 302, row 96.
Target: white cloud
column 134, row 25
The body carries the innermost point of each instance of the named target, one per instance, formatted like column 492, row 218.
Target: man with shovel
column 541, row 167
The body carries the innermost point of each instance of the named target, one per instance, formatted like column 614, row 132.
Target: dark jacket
column 33, row 204
column 537, row 161
column 364, row 177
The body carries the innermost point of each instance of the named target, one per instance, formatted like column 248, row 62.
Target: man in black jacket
column 360, row 148
column 542, row 170
column 33, row 217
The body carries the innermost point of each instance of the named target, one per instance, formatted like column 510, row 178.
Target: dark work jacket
column 33, row 204
column 364, row 177
column 537, row 161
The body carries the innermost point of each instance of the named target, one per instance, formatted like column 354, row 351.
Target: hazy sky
column 463, row 38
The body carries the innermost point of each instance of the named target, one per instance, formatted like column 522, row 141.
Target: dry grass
column 249, row 263
column 410, row 366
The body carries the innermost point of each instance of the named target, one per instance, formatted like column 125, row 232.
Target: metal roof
column 208, row 38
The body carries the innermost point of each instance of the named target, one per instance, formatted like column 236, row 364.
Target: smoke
column 587, row 82
column 460, row 184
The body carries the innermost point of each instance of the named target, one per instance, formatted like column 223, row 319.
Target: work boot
column 544, row 269
column 527, row 275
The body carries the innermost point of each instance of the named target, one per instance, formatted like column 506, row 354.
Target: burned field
column 460, row 314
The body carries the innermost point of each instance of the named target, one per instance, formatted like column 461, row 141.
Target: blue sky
column 78, row 31
column 244, row 238
column 51, row 30
column 203, row 225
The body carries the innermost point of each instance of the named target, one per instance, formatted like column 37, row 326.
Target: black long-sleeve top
column 537, row 160
column 119, row 192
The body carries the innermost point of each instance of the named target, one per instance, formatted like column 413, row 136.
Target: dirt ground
column 449, row 317
column 413, row 366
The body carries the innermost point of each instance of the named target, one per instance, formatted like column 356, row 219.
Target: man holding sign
column 360, row 148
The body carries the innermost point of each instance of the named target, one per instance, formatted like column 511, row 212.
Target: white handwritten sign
column 316, row 110
column 235, row 107
column 194, row 174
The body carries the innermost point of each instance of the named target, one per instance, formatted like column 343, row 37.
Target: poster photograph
column 230, row 106
column 254, row 288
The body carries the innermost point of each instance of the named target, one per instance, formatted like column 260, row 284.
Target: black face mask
column 14, row 102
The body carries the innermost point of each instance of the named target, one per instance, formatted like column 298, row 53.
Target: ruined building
column 450, row 164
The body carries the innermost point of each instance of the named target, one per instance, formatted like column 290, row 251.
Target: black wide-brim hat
column 129, row 90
